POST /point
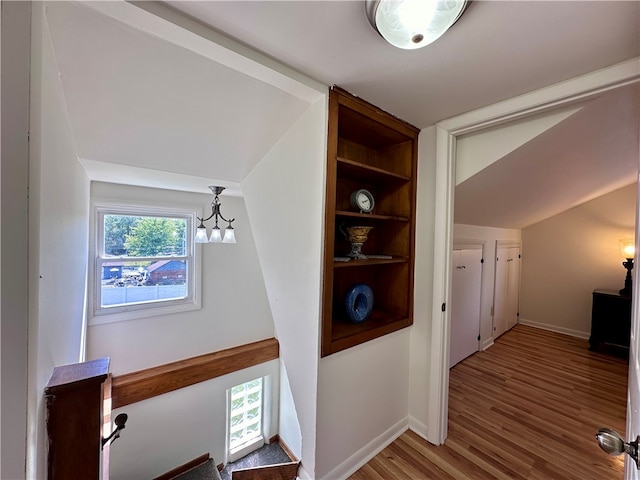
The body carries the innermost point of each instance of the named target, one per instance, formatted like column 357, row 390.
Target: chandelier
column 216, row 234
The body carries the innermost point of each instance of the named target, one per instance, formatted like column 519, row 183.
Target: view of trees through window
column 134, row 236
column 145, row 252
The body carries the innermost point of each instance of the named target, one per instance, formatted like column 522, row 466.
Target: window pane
column 245, row 422
column 144, row 262
column 144, row 236
column 143, row 281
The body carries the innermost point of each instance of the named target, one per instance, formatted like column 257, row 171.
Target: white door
column 513, row 287
column 465, row 303
column 506, row 288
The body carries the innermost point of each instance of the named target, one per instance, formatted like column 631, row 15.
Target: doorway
column 447, row 133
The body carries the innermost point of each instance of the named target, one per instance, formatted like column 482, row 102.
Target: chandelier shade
column 411, row 24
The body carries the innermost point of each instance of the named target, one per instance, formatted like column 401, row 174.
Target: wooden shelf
column 369, row 262
column 349, row 168
column 371, row 216
column 368, row 148
column 378, row 324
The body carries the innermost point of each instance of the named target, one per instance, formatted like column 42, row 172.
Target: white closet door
column 513, row 287
column 506, row 289
column 465, row 304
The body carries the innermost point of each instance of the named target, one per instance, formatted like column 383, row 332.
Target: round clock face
column 362, row 200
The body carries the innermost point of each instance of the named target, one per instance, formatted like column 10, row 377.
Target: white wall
column 169, row 430
column 362, row 402
column 566, row 257
column 284, row 195
column 15, row 31
column 288, row 423
column 172, row 429
column 488, row 236
column 234, row 309
column 58, row 238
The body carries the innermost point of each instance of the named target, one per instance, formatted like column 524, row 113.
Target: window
column 245, row 419
column 144, row 262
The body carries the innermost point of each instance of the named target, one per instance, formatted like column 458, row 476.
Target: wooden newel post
column 74, row 417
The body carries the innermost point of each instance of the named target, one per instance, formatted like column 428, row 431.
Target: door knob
column 611, row 442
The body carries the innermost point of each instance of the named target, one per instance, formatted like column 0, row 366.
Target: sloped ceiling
column 589, row 154
column 139, row 104
column 496, row 50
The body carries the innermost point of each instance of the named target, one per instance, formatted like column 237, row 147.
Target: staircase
column 204, row 471
column 201, row 468
column 271, row 462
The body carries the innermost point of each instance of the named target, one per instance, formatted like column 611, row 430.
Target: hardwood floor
column 527, row 408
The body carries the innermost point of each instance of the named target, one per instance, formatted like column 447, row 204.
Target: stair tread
column 269, row 454
column 206, row 471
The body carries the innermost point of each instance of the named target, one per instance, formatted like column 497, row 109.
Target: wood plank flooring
column 527, row 408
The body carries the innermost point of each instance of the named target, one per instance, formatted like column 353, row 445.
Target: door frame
column 447, row 131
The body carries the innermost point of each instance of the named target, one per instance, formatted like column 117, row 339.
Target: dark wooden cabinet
column 610, row 319
column 74, row 402
column 372, row 150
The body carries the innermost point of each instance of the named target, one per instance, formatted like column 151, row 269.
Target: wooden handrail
column 144, row 384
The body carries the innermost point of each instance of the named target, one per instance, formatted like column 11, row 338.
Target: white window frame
column 99, row 314
column 245, row 449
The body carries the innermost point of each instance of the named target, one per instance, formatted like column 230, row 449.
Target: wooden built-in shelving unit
column 368, row 148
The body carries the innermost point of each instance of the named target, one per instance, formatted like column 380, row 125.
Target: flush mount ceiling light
column 411, row 24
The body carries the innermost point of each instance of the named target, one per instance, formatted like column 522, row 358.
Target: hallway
column 527, row 408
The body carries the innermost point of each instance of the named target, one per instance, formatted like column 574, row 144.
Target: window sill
column 137, row 313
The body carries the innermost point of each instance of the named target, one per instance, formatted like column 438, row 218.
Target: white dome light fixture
column 411, row 24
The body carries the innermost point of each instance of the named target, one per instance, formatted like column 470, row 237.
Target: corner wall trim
column 144, row 384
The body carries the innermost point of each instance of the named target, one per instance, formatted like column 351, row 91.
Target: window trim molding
column 138, row 311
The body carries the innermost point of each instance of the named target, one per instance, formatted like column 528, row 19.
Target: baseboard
column 555, row 328
column 366, row 453
column 285, row 448
column 486, row 344
column 418, row 427
column 303, row 474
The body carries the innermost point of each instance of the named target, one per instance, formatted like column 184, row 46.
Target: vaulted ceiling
column 590, row 153
column 150, row 103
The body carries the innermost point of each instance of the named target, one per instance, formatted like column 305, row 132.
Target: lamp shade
column 627, row 247
column 229, row 235
column 411, row 24
column 201, row 235
column 216, row 237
